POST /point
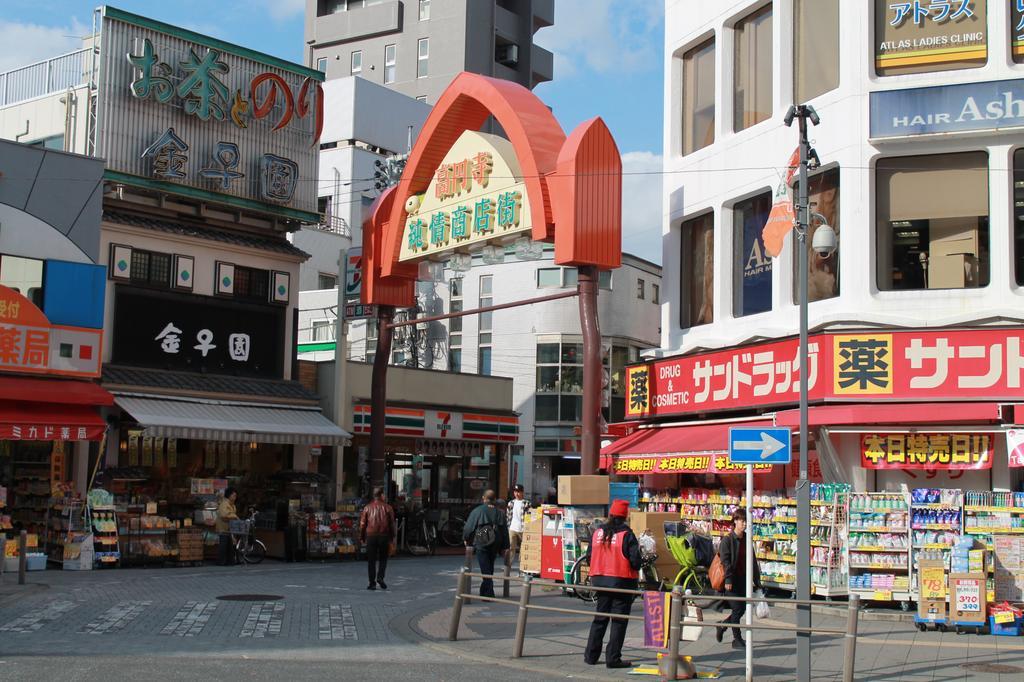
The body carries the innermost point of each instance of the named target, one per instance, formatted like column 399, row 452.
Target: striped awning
column 230, row 421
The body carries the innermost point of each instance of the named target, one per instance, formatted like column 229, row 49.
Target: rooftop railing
column 45, row 78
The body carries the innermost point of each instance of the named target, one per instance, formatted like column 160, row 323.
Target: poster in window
column 919, row 36
column 120, row 266
column 755, row 265
column 225, row 282
column 184, row 272
column 147, row 451
column 822, row 273
column 133, row 450
column 282, row 287
column 701, row 256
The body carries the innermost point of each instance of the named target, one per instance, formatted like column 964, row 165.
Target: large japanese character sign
column 29, row 344
column 462, row 189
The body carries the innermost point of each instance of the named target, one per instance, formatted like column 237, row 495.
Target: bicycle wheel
column 650, row 580
column 451, row 531
column 699, row 586
column 579, row 576
column 254, row 551
column 430, row 537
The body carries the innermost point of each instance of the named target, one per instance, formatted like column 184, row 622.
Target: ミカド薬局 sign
column 193, row 115
column 948, row 109
column 476, row 196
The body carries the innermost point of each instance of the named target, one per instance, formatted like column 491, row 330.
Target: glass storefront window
column 815, row 48
column 752, row 284
column 823, row 273
column 752, row 82
column 932, row 221
column 547, row 353
column 697, row 286
column 572, row 408
column 547, row 408
column 547, row 379
column 572, row 379
column 919, row 37
column 572, row 353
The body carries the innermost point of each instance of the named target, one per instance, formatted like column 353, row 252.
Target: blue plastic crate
column 1005, row 629
column 630, row 492
column 35, row 562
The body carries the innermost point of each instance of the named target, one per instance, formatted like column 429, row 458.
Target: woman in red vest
column 614, row 562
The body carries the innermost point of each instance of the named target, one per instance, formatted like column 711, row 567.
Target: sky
column 608, row 63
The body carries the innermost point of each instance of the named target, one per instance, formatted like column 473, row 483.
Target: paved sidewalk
column 886, row 650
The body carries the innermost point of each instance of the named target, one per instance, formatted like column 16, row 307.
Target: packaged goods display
column 878, row 551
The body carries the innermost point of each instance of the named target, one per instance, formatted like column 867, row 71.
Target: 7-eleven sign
column 442, row 424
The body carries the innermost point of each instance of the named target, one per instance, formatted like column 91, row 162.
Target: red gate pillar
column 379, row 398
column 590, row 446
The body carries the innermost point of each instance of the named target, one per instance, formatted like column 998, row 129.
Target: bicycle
column 451, row 530
column 579, row 574
column 419, row 535
column 248, row 549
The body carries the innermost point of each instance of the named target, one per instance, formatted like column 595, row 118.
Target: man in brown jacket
column 377, row 532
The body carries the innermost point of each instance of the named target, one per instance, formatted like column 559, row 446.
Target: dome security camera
column 824, row 241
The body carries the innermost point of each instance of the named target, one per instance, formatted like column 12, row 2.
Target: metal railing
column 46, row 77
column 334, row 225
column 677, row 621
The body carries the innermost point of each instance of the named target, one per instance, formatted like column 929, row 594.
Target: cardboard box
column 583, row 490
column 654, row 522
column 968, row 598
column 932, row 610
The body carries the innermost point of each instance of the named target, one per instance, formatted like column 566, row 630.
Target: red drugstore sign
column 891, row 366
column 926, row 450
column 682, row 464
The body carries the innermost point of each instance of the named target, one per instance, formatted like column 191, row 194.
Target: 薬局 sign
column 476, row 196
column 194, row 115
column 889, row 366
column 29, row 344
column 947, row 109
column 929, row 451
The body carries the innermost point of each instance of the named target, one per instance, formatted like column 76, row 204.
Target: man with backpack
column 486, row 531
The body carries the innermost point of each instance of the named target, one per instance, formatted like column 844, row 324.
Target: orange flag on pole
column 782, row 216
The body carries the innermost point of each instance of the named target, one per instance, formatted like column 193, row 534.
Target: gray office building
column 417, row 46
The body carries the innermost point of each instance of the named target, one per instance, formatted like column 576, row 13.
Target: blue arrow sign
column 760, row 446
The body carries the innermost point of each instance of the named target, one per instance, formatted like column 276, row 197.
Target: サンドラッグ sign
column 195, row 115
column 476, row 196
column 926, row 450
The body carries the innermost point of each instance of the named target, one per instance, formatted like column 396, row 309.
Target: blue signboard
column 947, row 109
column 760, row 446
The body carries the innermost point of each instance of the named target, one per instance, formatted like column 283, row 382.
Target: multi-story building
column 915, row 317
column 211, row 153
column 417, row 46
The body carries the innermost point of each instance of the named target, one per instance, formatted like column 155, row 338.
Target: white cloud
column 641, row 204
column 281, row 10
column 605, row 36
column 22, row 44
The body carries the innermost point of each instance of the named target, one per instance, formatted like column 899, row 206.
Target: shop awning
column 62, row 391
column 701, row 448
column 229, row 421
column 902, row 413
column 22, row 420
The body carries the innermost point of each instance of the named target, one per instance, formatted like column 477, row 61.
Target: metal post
column 342, row 406
column 524, row 601
column 850, row 650
column 748, row 538
column 378, row 398
column 675, row 617
column 467, row 565
column 591, row 427
column 453, row 626
column 3, row 554
column 803, row 490
column 508, row 573
column 22, row 556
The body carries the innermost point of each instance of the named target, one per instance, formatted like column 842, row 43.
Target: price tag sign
column 933, row 583
column 968, row 596
column 1003, row 617
column 151, row 507
column 882, row 595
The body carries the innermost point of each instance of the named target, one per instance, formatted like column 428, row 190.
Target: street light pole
column 803, row 490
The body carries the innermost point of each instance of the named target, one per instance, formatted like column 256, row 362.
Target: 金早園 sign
column 476, row 195
column 195, row 115
column 890, row 366
column 926, row 450
column 704, row 463
column 923, row 35
column 29, row 344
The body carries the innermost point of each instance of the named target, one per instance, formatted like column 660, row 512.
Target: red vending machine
column 551, row 560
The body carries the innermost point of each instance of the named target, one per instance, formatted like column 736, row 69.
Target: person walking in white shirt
column 518, row 507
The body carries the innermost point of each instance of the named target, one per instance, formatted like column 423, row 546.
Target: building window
column 752, row 83
column 323, row 330
column 23, row 275
column 151, row 268
column 424, row 10
column 356, row 62
column 918, row 37
column 549, row 278
column 617, row 381
column 390, row 58
column 455, row 325
column 455, row 360
column 321, row 65
column 1018, row 216
column 485, row 300
column 604, row 280
column 483, row 362
column 570, row 277
column 699, row 97
column 641, row 289
column 252, row 284
column 559, row 390
column 697, row 286
column 932, row 222
column 822, row 273
column 326, row 280
column 655, row 294
column 752, row 284
column 422, row 57
column 815, row 48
